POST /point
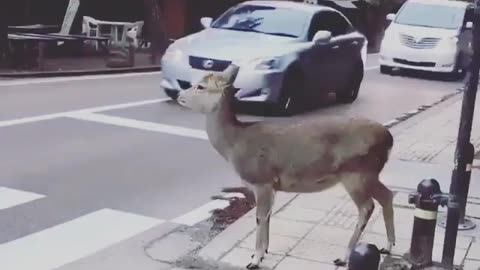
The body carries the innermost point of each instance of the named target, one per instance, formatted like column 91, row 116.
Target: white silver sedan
column 290, row 54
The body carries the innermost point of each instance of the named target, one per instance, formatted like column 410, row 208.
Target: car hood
column 236, row 45
column 419, row 32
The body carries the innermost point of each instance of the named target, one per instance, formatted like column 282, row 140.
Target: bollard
column 427, row 198
column 364, row 257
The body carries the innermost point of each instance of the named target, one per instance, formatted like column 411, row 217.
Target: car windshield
column 264, row 19
column 435, row 16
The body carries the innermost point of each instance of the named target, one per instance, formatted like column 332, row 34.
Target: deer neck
column 222, row 125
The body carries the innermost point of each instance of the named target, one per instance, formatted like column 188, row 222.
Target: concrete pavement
column 103, row 173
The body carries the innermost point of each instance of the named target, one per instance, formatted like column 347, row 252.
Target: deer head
column 205, row 96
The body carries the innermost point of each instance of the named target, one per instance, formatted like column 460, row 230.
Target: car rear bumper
column 418, row 59
column 253, row 85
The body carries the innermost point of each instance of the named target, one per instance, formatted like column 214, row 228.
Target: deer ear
column 230, row 73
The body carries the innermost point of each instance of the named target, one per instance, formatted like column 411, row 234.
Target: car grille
column 424, row 43
column 418, row 64
column 218, row 65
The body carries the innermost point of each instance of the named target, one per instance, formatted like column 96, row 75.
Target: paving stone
column 401, row 199
column 458, row 259
column 290, row 263
column 292, row 228
column 301, row 214
column 317, row 201
column 279, row 244
column 471, row 265
column 318, row 251
column 330, row 235
column 172, row 247
column 240, row 257
column 474, row 251
column 462, row 241
column 403, row 224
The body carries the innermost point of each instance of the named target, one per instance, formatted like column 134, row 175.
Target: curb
column 405, row 116
column 232, row 235
column 80, row 72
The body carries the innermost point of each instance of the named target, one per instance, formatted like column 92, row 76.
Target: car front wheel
column 350, row 93
column 289, row 102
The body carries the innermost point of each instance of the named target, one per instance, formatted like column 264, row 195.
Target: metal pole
column 467, row 224
column 458, row 175
column 464, row 223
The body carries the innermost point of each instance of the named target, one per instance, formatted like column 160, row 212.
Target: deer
column 302, row 154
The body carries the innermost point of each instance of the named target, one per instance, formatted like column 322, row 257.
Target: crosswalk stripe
column 149, row 126
column 201, row 213
column 12, row 197
column 65, row 243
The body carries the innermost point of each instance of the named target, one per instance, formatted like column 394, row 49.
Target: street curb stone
column 405, row 116
column 237, row 232
column 80, row 72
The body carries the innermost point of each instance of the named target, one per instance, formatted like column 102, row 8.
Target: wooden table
column 33, row 28
column 19, row 56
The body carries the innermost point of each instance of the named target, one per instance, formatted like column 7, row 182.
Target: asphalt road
column 90, row 162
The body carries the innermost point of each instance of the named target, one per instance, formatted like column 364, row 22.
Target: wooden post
column 3, row 33
column 156, row 27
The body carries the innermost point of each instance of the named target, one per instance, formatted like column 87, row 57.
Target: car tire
column 350, row 93
column 171, row 93
column 288, row 102
column 459, row 71
column 385, row 69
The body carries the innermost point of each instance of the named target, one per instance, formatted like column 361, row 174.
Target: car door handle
column 355, row 43
column 335, row 47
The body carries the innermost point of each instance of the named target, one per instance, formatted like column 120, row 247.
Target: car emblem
column 207, row 63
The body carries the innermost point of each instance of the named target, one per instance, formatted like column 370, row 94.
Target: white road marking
column 19, row 82
column 44, row 117
column 372, row 68
column 149, row 126
column 13, row 197
column 72, row 240
column 201, row 213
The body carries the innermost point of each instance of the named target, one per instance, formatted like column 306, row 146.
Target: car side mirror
column 322, row 36
column 206, row 22
column 469, row 25
column 390, row 16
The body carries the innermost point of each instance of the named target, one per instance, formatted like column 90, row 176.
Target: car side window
column 329, row 21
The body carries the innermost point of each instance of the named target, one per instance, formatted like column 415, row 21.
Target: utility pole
column 458, row 192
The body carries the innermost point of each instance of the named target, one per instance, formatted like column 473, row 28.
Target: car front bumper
column 254, row 85
column 419, row 59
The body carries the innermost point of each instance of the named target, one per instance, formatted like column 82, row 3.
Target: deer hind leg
column 265, row 197
column 384, row 196
column 361, row 197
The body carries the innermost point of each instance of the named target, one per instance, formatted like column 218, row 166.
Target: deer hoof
column 253, row 266
column 339, row 262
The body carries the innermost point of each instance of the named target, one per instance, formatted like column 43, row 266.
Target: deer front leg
column 265, row 197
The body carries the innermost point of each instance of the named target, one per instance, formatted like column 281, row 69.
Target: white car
column 429, row 35
column 291, row 55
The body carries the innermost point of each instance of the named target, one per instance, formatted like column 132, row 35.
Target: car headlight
column 449, row 43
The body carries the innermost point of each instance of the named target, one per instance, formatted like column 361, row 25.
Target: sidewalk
column 308, row 231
